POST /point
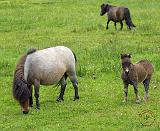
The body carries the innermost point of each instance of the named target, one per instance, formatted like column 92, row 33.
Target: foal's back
column 144, row 70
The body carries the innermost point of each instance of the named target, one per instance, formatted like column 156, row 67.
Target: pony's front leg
column 138, row 100
column 30, row 98
column 36, row 91
column 107, row 24
column 115, row 25
column 125, row 92
column 63, row 87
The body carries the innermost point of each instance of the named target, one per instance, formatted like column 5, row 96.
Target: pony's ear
column 129, row 55
column 102, row 5
column 122, row 56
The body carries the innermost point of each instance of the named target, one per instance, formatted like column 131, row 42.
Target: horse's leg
column 30, row 98
column 107, row 24
column 74, row 81
column 115, row 25
column 136, row 92
column 146, row 87
column 125, row 92
column 63, row 87
column 36, row 91
column 121, row 25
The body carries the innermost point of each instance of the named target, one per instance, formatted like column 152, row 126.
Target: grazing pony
column 134, row 73
column 44, row 67
column 117, row 14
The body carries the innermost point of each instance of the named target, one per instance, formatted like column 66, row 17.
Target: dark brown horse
column 134, row 73
column 117, row 14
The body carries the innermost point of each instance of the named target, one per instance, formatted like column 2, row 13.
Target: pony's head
column 104, row 9
column 21, row 91
column 126, row 63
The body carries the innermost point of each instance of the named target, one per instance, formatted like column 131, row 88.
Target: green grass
column 78, row 25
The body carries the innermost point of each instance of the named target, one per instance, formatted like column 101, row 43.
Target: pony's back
column 49, row 65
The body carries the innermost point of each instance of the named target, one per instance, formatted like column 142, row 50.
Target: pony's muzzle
column 127, row 71
column 25, row 107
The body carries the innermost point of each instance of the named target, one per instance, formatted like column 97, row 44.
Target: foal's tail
column 127, row 18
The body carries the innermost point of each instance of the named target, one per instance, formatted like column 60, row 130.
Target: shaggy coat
column 44, row 67
column 136, row 73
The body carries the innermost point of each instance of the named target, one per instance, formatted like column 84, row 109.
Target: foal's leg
column 115, row 25
column 121, row 24
column 107, row 24
column 125, row 92
column 30, row 98
column 146, row 87
column 136, row 92
column 63, row 87
column 36, row 91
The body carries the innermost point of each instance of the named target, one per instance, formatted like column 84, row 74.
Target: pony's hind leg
column 63, row 87
column 74, row 81
column 146, row 87
column 36, row 91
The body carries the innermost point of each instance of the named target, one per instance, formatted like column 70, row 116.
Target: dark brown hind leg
column 138, row 100
column 63, row 87
column 30, row 98
column 125, row 92
column 36, row 91
column 121, row 25
column 115, row 25
column 107, row 24
column 146, row 87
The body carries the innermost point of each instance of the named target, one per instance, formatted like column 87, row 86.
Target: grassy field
column 78, row 25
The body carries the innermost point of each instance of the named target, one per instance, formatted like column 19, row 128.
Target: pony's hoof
column 37, row 109
column 124, row 101
column 138, row 101
column 76, row 98
column 30, row 105
column 60, row 99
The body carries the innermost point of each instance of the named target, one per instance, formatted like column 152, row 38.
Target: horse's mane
column 20, row 87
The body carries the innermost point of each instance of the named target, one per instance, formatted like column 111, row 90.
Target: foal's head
column 104, row 9
column 126, row 63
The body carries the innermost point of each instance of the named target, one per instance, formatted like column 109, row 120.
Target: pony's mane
column 20, row 88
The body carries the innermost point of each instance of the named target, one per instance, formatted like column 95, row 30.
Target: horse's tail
column 75, row 57
column 127, row 18
column 20, row 86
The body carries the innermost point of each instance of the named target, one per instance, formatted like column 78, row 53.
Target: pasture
column 78, row 25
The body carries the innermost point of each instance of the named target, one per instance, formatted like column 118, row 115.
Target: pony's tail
column 127, row 18
column 75, row 57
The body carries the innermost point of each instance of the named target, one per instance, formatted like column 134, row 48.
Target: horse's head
column 104, row 9
column 21, row 93
column 126, row 63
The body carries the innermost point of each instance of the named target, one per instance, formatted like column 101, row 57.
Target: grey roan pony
column 117, row 14
column 44, row 67
column 134, row 73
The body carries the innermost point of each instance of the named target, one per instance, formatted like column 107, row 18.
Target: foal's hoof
column 25, row 112
column 60, row 99
column 124, row 101
column 138, row 101
column 76, row 98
